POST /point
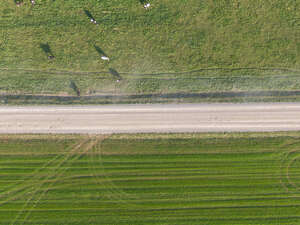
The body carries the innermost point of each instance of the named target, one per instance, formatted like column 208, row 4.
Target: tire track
column 291, row 182
column 31, row 177
column 99, row 161
column 288, row 158
column 21, row 191
column 115, row 191
column 76, row 154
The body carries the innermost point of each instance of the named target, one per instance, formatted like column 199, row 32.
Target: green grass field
column 150, row 179
column 177, row 46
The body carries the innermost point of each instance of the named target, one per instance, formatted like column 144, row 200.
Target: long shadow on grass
column 18, row 2
column 115, row 74
column 88, row 14
column 100, row 51
column 47, row 50
column 143, row 2
column 75, row 88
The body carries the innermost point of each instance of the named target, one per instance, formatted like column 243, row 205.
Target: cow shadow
column 47, row 50
column 100, row 51
column 143, row 2
column 18, row 2
column 74, row 87
column 115, row 74
column 88, row 14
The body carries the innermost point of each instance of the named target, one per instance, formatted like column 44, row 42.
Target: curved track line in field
column 291, row 182
column 98, row 161
column 21, row 191
column 282, row 175
column 57, row 175
column 27, row 185
column 32, row 176
column 54, row 160
column 115, row 191
column 286, row 162
column 289, row 162
column 282, row 162
column 47, row 178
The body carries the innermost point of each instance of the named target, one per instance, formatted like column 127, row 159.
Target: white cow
column 147, row 5
column 93, row 21
column 105, row 58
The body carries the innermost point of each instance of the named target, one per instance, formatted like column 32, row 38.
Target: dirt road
column 151, row 118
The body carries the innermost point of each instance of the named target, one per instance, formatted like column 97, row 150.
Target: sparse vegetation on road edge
column 223, row 97
column 237, row 85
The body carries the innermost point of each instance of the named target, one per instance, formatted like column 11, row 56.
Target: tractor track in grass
column 31, row 189
column 52, row 179
column 287, row 160
column 115, row 192
column 20, row 192
column 27, row 181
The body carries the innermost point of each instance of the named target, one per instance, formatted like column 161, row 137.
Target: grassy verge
column 150, row 179
column 226, row 85
column 150, row 48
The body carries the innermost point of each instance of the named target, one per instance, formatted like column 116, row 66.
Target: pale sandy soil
column 170, row 118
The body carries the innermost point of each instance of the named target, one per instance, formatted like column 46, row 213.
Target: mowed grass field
column 175, row 47
column 150, row 179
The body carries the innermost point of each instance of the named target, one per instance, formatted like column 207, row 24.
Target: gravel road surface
column 169, row 118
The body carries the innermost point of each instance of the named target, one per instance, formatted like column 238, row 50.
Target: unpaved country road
column 151, row 118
